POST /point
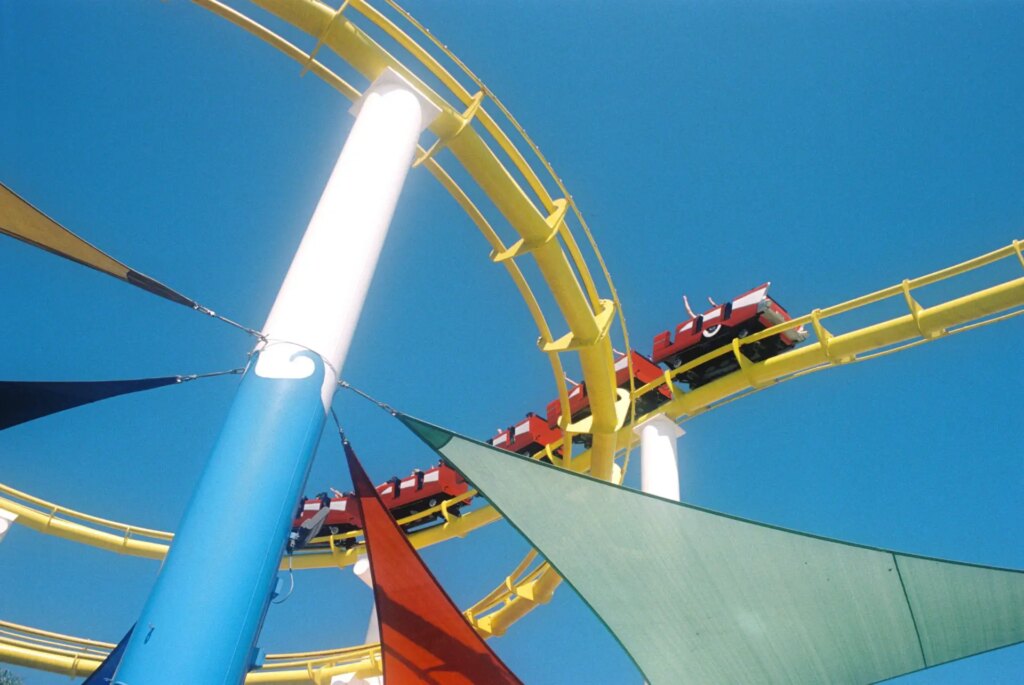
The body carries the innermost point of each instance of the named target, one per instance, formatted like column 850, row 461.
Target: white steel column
column 363, row 572
column 6, row 520
column 322, row 296
column 659, row 456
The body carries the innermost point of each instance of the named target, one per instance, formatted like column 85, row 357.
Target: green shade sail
column 696, row 596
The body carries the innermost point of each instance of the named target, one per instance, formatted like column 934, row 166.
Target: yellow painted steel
column 53, row 519
column 74, row 656
column 921, row 324
column 73, row 665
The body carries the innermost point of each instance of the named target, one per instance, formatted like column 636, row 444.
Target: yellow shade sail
column 19, row 219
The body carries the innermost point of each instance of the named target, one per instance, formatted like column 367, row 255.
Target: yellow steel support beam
column 78, row 665
column 74, row 666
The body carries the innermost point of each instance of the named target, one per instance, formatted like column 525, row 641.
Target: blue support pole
column 237, row 523
column 203, row 616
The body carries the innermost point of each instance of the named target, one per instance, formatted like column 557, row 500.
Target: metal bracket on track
column 555, row 222
column 825, row 340
column 320, row 39
column 746, row 366
column 915, row 311
column 569, row 341
column 528, row 591
column 464, row 121
column 585, row 424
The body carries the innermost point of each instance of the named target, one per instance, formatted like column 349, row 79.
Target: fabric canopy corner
column 424, row 637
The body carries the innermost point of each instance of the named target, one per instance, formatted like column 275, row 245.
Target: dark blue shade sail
column 22, row 401
column 104, row 675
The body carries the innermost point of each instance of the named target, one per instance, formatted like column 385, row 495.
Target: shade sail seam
column 951, row 661
column 913, row 619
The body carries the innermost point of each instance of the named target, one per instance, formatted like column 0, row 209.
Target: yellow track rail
column 75, row 657
column 529, row 585
column 53, row 519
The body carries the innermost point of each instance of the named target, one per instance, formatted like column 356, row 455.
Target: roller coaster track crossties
column 474, row 129
column 529, row 585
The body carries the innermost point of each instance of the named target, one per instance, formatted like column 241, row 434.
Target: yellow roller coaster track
column 529, row 584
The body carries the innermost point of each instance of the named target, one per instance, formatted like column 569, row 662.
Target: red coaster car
column 644, row 371
column 747, row 314
column 419, row 491
column 527, row 437
column 423, row 490
column 343, row 516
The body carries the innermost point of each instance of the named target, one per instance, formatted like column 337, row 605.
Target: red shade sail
column 424, row 637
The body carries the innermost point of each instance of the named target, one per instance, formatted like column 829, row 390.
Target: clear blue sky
column 833, row 148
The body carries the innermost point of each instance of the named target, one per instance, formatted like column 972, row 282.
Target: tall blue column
column 203, row 616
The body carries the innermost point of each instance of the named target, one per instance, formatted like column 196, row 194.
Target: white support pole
column 659, row 456
column 362, row 571
column 7, row 519
column 322, row 296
